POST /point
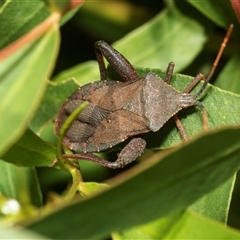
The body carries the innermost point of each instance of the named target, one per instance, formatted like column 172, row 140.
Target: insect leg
column 180, row 128
column 194, row 83
column 128, row 154
column 169, row 72
column 120, row 64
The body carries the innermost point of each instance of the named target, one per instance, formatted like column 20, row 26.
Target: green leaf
column 89, row 188
column 15, row 23
column 159, row 186
column 167, row 37
column 219, row 12
column 84, row 73
column 64, row 8
column 58, row 6
column 20, row 183
column 183, row 225
column 2, row 3
column 230, row 75
column 110, row 22
column 216, row 204
column 30, row 150
column 67, row 16
column 53, row 98
column 22, row 83
column 11, row 233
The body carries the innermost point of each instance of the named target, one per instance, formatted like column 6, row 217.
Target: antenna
column 220, row 52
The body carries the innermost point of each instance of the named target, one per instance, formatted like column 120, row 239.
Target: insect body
column 119, row 110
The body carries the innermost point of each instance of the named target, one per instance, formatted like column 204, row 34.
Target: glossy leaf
column 10, row 233
column 22, row 84
column 84, row 73
column 157, row 42
column 183, row 225
column 15, row 23
column 30, row 150
column 67, row 16
column 221, row 13
column 162, row 185
column 20, row 183
column 216, row 204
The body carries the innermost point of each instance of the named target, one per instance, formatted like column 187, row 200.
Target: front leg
column 119, row 63
column 128, row 154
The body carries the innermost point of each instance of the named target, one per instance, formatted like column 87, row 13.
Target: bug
column 119, row 110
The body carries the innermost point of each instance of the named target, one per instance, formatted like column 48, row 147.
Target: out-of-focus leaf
column 220, row 13
column 115, row 19
column 156, row 43
column 183, row 225
column 167, row 37
column 1, row 3
column 53, row 98
column 68, row 8
column 20, row 183
column 22, row 83
column 30, row 150
column 84, row 73
column 58, row 6
column 67, row 16
column 216, row 204
column 229, row 79
column 161, row 185
column 10, row 233
column 90, row 188
column 15, row 23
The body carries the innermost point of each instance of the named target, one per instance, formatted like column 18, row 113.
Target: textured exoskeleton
column 119, row 110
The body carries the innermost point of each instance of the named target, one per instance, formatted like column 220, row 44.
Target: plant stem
column 65, row 164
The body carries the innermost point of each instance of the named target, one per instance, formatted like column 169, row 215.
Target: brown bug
column 119, row 110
